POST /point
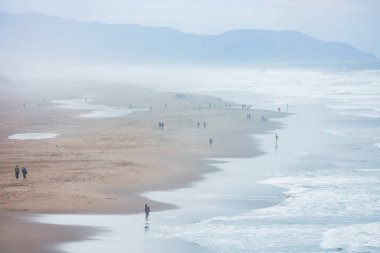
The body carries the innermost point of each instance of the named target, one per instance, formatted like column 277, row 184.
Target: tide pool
column 32, row 136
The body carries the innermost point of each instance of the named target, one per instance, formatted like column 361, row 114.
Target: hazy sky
column 356, row 22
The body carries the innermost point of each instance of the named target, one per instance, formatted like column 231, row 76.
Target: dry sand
column 100, row 165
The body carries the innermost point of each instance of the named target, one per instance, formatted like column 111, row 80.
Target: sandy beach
column 100, row 165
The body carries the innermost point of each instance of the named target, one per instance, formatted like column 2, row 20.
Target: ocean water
column 330, row 165
column 318, row 191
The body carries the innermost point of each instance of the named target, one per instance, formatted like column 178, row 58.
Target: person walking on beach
column 147, row 211
column 210, row 141
column 204, row 124
column 17, row 171
column 276, row 147
column 198, row 124
column 24, row 172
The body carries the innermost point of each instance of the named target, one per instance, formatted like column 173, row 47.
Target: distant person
column 150, row 108
column 147, row 211
column 287, row 108
column 17, row 172
column 279, row 109
column 276, row 142
column 130, row 106
column 198, row 124
column 210, row 141
column 24, row 172
column 204, row 124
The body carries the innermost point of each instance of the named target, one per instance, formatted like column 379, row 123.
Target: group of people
column 199, row 124
column 249, row 116
column 161, row 125
column 24, row 171
column 263, row 118
column 246, row 107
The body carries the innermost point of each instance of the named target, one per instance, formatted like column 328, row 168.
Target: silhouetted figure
column 24, row 172
column 278, row 109
column 17, row 172
column 161, row 125
column 210, row 141
column 204, row 124
column 147, row 211
column 150, row 108
column 198, row 124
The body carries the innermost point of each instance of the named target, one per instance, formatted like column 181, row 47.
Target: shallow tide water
column 96, row 110
column 32, row 136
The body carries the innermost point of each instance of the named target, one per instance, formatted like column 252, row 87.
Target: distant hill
column 48, row 38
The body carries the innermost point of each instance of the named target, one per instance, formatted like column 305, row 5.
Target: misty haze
column 204, row 126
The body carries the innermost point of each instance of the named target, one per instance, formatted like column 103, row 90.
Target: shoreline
column 192, row 161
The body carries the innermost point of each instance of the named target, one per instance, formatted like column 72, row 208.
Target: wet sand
column 101, row 165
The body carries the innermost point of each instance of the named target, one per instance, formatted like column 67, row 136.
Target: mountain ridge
column 43, row 37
